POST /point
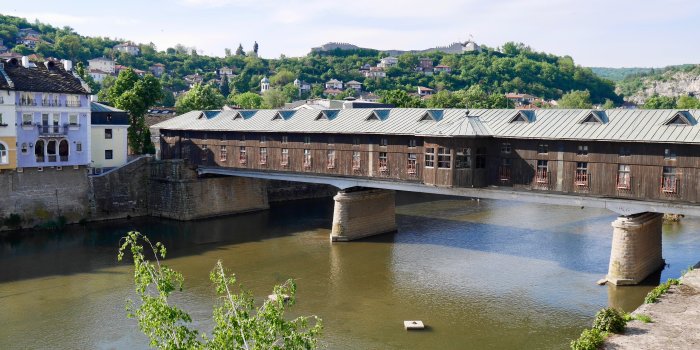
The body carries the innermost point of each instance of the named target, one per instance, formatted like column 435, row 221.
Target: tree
column 688, row 102
column 239, row 50
column 255, row 47
column 475, row 97
column 445, row 99
column 609, row 104
column 134, row 95
column 247, row 100
column 274, row 98
column 238, row 323
column 401, row 99
column 200, row 97
column 224, row 87
column 576, row 99
column 227, row 52
column 282, row 78
column 83, row 74
column 148, row 146
column 168, row 99
column 659, row 102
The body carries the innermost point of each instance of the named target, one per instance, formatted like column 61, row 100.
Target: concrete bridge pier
column 636, row 248
column 360, row 212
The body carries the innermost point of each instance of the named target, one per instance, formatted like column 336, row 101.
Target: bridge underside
column 623, row 207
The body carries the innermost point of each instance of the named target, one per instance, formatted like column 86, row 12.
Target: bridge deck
column 620, row 206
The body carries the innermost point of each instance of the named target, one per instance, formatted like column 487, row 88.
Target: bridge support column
column 636, row 248
column 362, row 213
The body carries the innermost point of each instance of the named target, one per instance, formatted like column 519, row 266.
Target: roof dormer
column 681, row 118
column 283, row 115
column 242, row 115
column 433, row 115
column 595, row 117
column 327, row 114
column 523, row 116
column 208, row 114
column 378, row 114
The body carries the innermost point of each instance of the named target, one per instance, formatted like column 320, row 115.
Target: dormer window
column 523, row 116
column 379, row 114
column 432, row 115
column 327, row 114
column 595, row 117
column 682, row 118
column 283, row 115
column 243, row 115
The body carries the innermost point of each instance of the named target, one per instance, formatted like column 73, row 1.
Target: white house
column 375, row 72
column 425, row 91
column 387, row 62
column 334, row 84
column 97, row 75
column 108, row 137
column 354, row 85
column 129, row 48
column 102, row 64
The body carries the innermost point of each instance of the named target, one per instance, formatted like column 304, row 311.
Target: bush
column 660, row 290
column 610, row 320
column 590, row 339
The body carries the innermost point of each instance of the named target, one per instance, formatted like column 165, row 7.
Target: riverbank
column 676, row 320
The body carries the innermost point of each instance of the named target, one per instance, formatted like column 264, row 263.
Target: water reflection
column 481, row 274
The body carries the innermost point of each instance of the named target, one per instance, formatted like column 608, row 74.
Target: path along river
column 480, row 274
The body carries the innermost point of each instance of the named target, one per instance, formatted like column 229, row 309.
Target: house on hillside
column 52, row 113
column 334, row 84
column 520, row 99
column 442, row 68
column 28, row 41
column 103, row 64
column 108, row 137
column 354, row 85
column 157, row 69
column 302, row 86
column 28, row 32
column 425, row 91
column 375, row 72
column 387, row 62
column 369, row 97
column 129, row 48
column 332, row 92
column 97, row 75
column 425, row 64
column 226, row 71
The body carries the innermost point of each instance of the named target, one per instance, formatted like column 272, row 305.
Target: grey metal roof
column 568, row 124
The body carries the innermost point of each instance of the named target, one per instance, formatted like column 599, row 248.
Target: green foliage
column 660, row 102
column 275, row 98
column 247, row 100
column 688, row 102
column 239, row 324
column 590, row 339
column 576, row 99
column 639, row 81
column 148, row 146
column 660, row 290
column 618, row 74
column 54, row 224
column 200, row 97
column 609, row 104
column 224, row 88
column 610, row 320
column 401, row 99
column 643, row 318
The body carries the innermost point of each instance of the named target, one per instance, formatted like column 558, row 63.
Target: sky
column 607, row 33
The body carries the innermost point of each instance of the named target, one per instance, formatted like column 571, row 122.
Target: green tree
column 238, row 323
column 274, row 98
column 688, row 102
column 401, row 99
column 576, row 99
column 475, row 97
column 445, row 99
column 168, row 99
column 148, row 146
column 200, row 97
column 609, row 104
column 247, row 100
column 83, row 74
column 224, row 87
column 239, row 50
column 282, row 78
column 659, row 102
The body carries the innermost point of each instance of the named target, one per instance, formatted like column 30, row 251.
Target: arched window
column 39, row 151
column 51, row 150
column 4, row 158
column 63, row 150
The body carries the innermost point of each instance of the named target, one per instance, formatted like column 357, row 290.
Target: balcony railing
column 581, row 180
column 504, row 174
column 73, row 104
column 51, row 103
column 26, row 102
column 670, row 185
column 542, row 179
column 51, row 130
column 411, row 168
column 624, row 182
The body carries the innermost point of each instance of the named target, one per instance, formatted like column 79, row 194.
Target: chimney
column 67, row 65
column 25, row 61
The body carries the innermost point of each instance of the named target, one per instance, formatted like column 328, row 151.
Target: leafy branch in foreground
column 238, row 323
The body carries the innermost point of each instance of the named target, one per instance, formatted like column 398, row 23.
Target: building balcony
column 73, row 104
column 23, row 102
column 670, row 186
column 51, row 103
column 52, row 130
column 582, row 181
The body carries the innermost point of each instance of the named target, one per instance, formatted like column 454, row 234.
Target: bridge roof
column 632, row 125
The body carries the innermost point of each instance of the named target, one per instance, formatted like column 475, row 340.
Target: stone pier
column 362, row 213
column 636, row 248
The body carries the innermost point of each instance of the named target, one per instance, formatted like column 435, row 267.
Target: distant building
column 334, row 84
column 108, row 137
column 387, row 62
column 425, row 91
column 9, row 55
column 442, row 68
column 226, row 71
column 332, row 92
column 520, row 99
column 193, row 79
column 157, row 69
column 321, row 104
column 129, row 48
column 28, row 41
column 97, row 75
column 470, row 46
column 28, row 32
column 356, row 85
column 302, row 86
column 102, row 64
column 264, row 85
column 425, row 64
column 375, row 72
column 369, row 97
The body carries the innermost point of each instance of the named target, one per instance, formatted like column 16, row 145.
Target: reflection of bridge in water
column 638, row 163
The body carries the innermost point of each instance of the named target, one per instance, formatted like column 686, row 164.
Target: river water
column 480, row 274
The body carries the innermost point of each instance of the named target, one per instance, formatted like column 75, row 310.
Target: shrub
column 610, row 320
column 660, row 290
column 643, row 318
column 590, row 339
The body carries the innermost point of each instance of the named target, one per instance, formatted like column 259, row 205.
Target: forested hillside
column 511, row 68
column 618, row 74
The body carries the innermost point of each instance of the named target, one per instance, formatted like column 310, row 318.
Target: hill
column 673, row 81
column 618, row 74
column 513, row 68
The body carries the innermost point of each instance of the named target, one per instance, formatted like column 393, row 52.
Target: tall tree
column 576, row 99
column 274, row 98
column 660, row 102
column 247, row 100
column 200, row 97
column 224, row 88
column 401, row 99
column 239, row 50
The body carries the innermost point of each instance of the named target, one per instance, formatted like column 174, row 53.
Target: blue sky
column 612, row 33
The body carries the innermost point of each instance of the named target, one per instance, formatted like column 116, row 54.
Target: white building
column 108, row 137
column 354, row 85
column 387, row 62
column 375, row 72
column 97, row 75
column 129, row 48
column 102, row 64
column 264, row 85
column 334, row 84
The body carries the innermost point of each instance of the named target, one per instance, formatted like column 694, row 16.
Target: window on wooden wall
column 223, row 154
column 205, row 150
column 285, row 139
column 263, row 155
column 412, row 164
column 331, row 140
column 505, row 169
column 284, row 160
column 480, row 159
column 307, row 159
column 383, row 162
column 242, row 156
column 669, row 180
column 444, row 158
column 506, row 148
column 463, row 158
column 669, row 154
column 429, row 157
column 542, row 172
column 543, row 148
column 625, row 151
column 624, row 179
column 263, row 138
column 383, row 142
column 330, row 159
column 355, row 141
column 356, row 161
column 412, row 143
column 582, row 150
column 242, row 137
column 307, row 139
column 581, row 176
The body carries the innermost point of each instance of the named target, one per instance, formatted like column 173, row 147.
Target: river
column 480, row 274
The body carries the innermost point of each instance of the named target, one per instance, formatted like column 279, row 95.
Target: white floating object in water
column 273, row 297
column 411, row 325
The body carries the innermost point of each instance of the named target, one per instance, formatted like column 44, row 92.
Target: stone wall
column 280, row 191
column 122, row 192
column 363, row 213
column 42, row 196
